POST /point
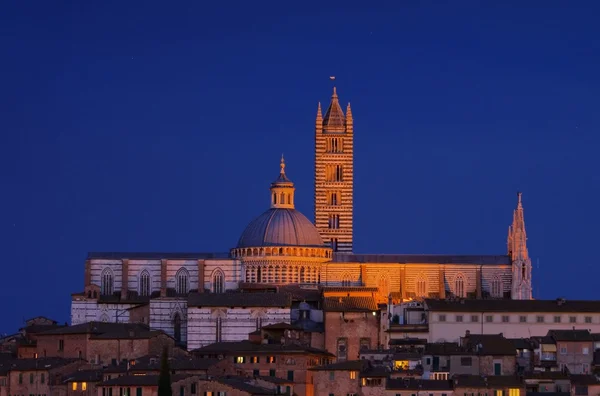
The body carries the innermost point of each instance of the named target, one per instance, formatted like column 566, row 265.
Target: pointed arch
column 218, row 281
column 177, row 326
column 346, row 279
column 496, row 289
column 421, row 285
column 182, row 281
column 459, row 286
column 104, row 318
column 145, row 283
column 107, row 282
column 383, row 284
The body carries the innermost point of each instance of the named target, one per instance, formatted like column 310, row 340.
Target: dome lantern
column 282, row 190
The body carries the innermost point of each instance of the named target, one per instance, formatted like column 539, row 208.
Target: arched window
column 496, row 289
column 421, row 289
column 177, row 327
column 218, row 281
column 145, row 283
column 259, row 275
column 459, row 286
column 182, row 284
column 302, row 275
column 104, row 318
column 346, row 280
column 107, row 282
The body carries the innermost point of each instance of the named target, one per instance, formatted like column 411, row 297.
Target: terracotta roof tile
column 349, row 304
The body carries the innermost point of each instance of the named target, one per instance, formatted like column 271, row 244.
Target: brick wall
column 339, row 384
column 74, row 346
column 353, row 327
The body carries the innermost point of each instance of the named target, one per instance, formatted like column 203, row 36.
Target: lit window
column 514, row 392
column 84, row 386
column 240, row 359
column 352, row 374
column 74, row 385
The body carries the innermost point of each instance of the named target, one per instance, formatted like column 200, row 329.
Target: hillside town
column 360, row 347
column 292, row 310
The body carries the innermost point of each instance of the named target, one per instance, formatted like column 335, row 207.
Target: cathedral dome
column 280, row 227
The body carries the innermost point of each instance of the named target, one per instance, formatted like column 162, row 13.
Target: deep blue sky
column 158, row 126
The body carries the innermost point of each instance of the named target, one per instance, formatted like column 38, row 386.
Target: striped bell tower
column 334, row 175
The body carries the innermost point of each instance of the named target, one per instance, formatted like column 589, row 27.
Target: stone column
column 163, row 278
column 478, row 282
column 442, row 275
column 201, row 266
column 403, row 282
column 363, row 274
column 124, row 278
column 88, row 273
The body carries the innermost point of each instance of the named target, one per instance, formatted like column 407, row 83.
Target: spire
column 334, row 117
column 348, row 114
column 282, row 189
column 319, row 115
column 517, row 236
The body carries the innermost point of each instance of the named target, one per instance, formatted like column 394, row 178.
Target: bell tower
column 517, row 250
column 334, row 175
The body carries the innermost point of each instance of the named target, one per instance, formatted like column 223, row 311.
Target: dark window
column 193, row 389
column 290, row 375
column 177, row 327
column 466, row 361
column 271, row 373
column 256, row 373
column 138, row 392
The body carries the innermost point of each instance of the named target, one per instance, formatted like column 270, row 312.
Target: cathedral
column 182, row 293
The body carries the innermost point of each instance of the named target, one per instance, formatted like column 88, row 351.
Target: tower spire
column 519, row 254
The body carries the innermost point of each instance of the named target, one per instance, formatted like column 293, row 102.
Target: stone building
column 449, row 320
column 283, row 247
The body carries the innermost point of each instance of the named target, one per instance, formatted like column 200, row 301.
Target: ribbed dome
column 280, row 227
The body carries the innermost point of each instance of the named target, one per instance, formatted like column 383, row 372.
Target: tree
column 164, row 380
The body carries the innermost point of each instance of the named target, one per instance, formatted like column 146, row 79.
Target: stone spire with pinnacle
column 519, row 254
column 282, row 189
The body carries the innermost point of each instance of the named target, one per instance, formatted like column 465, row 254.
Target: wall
column 451, row 330
column 236, row 323
column 359, row 325
column 340, row 384
column 574, row 358
column 75, row 345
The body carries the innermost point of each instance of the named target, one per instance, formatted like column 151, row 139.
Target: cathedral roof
column 280, row 227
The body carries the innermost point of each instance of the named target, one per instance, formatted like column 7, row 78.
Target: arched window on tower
column 218, row 281
column 177, row 327
column 302, row 275
column 259, row 275
column 145, row 283
column 107, row 280
column 459, row 286
column 182, row 285
column 496, row 289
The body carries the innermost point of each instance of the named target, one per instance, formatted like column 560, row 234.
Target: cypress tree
column 164, row 380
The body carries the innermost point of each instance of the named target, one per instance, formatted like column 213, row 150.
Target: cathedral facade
column 170, row 291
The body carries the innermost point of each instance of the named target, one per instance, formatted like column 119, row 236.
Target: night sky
column 158, row 126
